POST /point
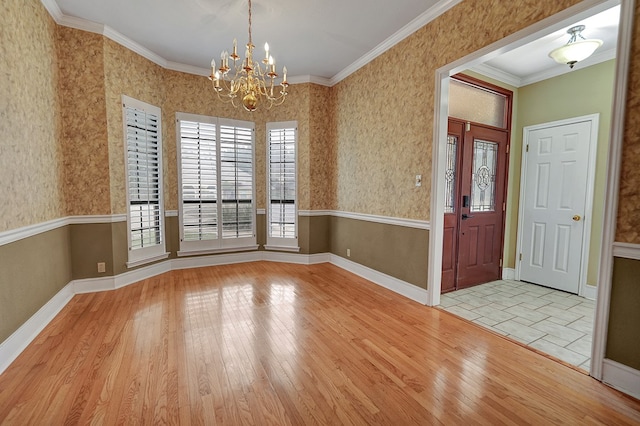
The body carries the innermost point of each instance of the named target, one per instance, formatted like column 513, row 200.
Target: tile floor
column 552, row 321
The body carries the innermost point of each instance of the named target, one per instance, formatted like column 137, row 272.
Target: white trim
column 53, row 9
column 17, row 234
column 185, row 253
column 187, row 69
column 315, row 212
column 589, row 292
column 514, row 80
column 601, row 324
column 420, row 21
column 508, row 274
column 23, row 336
column 91, row 219
column 396, row 285
column 621, row 377
column 281, row 248
column 626, row 250
column 410, row 223
column 594, row 120
column 301, row 79
column 145, row 260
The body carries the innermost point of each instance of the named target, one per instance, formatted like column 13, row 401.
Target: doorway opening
column 554, row 23
column 478, row 138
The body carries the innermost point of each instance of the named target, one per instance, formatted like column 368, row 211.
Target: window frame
column 281, row 243
column 218, row 244
column 143, row 255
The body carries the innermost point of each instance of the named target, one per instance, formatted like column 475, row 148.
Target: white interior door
column 556, row 192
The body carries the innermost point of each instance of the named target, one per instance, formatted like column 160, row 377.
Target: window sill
column 282, row 248
column 184, row 253
column 139, row 262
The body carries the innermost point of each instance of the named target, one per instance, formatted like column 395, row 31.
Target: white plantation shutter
column 282, row 212
column 144, row 180
column 216, row 174
column 199, row 181
column 236, row 175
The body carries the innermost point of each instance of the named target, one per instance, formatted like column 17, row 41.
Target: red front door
column 474, row 212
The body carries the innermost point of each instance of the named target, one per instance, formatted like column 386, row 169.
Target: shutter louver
column 199, row 181
column 143, row 175
column 282, row 183
column 236, row 179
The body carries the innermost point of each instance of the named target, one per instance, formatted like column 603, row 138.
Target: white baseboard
column 589, row 292
column 387, row 281
column 23, row 336
column 508, row 274
column 621, row 377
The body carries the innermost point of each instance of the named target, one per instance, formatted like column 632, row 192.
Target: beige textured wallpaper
column 126, row 73
column 629, row 202
column 84, row 122
column 30, row 153
column 384, row 125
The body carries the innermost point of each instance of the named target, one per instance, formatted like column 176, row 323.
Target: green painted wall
column 32, row 271
column 577, row 93
column 623, row 339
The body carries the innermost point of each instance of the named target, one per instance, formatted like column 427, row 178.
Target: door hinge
column 507, row 149
column 501, row 263
column 468, row 126
column 520, row 256
column 527, row 147
column 504, row 206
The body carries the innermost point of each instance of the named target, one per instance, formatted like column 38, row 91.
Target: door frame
column 588, row 207
column 556, row 22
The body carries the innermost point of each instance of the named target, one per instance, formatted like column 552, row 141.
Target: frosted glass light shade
column 574, row 52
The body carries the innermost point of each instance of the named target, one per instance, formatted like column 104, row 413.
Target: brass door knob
column 577, row 218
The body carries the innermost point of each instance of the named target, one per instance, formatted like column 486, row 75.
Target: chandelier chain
column 250, row 41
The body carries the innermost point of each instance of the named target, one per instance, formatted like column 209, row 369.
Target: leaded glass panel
column 483, row 177
column 450, row 174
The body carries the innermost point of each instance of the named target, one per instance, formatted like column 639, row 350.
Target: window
column 216, row 184
column 145, row 216
column 282, row 212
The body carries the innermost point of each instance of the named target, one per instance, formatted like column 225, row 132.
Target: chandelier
column 251, row 81
column 575, row 50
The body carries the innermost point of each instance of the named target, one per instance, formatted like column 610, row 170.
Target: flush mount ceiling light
column 249, row 80
column 577, row 48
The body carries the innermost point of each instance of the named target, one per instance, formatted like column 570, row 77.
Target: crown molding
column 53, row 9
column 605, row 55
column 301, row 79
column 188, row 69
column 404, row 32
column 497, row 74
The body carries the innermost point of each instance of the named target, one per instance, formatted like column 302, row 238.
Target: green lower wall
column 399, row 251
column 32, row 271
column 623, row 337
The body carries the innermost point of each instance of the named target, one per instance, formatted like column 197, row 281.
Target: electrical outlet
column 101, row 267
column 348, row 252
column 418, row 180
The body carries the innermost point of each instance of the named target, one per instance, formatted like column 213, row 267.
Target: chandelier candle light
column 251, row 80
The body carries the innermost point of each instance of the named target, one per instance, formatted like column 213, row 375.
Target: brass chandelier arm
column 251, row 80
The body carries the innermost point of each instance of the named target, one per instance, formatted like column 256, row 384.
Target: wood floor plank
column 271, row 343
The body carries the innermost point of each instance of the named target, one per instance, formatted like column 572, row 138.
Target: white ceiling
column 322, row 40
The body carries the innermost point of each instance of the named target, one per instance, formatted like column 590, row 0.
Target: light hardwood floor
column 268, row 343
